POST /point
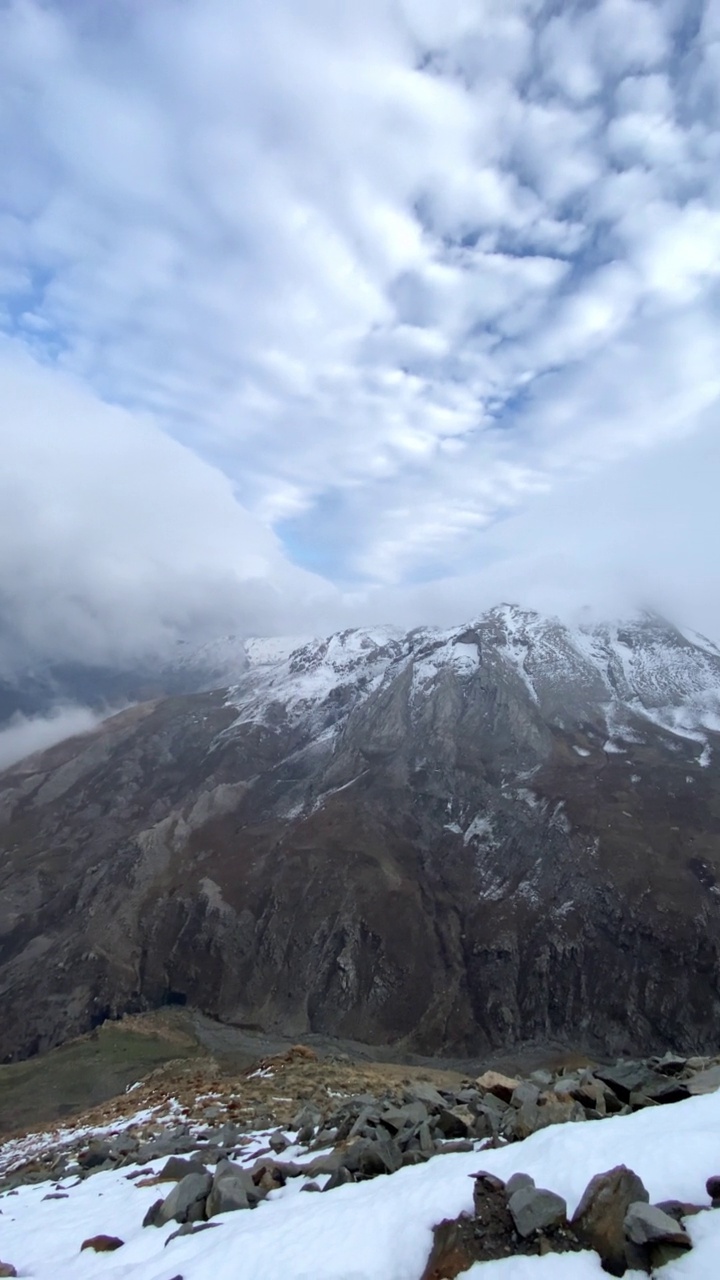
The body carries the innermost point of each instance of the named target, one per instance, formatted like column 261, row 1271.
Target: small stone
column 534, row 1209
column 339, row 1178
column 516, row 1181
column 191, row 1229
column 102, row 1244
column 310, row 1186
column 679, row 1209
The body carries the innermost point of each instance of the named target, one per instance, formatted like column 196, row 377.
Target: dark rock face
column 458, row 840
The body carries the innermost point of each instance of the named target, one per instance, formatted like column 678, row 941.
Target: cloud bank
column 341, row 312
column 27, row 734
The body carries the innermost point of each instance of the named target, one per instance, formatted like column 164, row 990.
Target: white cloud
column 25, row 735
column 365, row 280
column 114, row 538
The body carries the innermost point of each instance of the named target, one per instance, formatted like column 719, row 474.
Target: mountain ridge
column 455, row 840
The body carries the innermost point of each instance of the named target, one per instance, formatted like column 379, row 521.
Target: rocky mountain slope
column 455, row 1174
column 457, row 840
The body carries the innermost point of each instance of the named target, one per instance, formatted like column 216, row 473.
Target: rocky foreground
column 208, row 1148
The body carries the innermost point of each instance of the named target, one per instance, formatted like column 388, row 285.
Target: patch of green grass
column 82, row 1074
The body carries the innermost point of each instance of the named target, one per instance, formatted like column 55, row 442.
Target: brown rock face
column 428, row 839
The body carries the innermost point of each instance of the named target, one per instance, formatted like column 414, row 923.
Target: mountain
column 456, row 840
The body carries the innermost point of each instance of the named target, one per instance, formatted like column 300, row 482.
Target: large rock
column 627, row 1078
column 647, row 1224
column 534, row 1209
column 426, row 1093
column 186, row 1202
column 599, row 1220
column 175, row 1169
column 367, row 1158
column 499, row 1085
column 409, row 1116
column 233, row 1188
column 457, row 1122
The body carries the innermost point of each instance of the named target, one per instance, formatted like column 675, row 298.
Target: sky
column 315, row 314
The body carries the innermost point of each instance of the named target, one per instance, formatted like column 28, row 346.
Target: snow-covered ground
column 377, row 1230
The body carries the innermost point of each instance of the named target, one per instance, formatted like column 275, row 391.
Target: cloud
column 304, row 309
column 115, row 538
column 27, row 734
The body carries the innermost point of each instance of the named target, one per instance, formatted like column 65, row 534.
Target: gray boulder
column 427, row 1094
column 646, row 1224
column 233, row 1188
column 397, row 1118
column 175, row 1169
column 534, row 1209
column 186, row 1202
column 368, row 1159
column 516, row 1181
column 627, row 1078
column 525, row 1092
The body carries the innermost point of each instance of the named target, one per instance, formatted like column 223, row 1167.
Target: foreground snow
column 379, row 1230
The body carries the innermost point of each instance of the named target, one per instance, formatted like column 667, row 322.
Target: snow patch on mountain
column 620, row 675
